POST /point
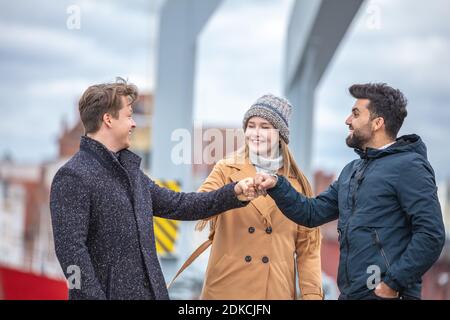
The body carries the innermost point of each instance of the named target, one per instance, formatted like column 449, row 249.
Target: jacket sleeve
column 193, row 205
column 309, row 263
column 70, row 211
column 417, row 195
column 308, row 212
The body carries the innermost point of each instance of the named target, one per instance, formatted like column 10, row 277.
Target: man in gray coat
column 102, row 205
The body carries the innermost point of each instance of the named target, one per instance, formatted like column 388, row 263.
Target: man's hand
column 264, row 181
column 245, row 189
column 384, row 291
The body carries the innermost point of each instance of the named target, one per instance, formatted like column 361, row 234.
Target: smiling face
column 261, row 137
column 123, row 125
column 359, row 123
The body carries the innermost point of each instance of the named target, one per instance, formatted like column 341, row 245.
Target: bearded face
column 358, row 138
column 360, row 125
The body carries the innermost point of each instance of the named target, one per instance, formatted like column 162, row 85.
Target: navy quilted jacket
column 389, row 217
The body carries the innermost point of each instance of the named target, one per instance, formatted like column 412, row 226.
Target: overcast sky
column 45, row 67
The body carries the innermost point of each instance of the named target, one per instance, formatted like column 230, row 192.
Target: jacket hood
column 406, row 143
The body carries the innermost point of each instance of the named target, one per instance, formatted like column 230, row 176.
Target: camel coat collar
column 246, row 169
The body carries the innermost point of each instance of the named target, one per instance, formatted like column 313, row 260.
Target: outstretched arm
column 309, row 212
column 195, row 206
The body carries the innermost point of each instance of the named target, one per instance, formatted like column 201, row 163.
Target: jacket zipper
column 348, row 248
column 364, row 167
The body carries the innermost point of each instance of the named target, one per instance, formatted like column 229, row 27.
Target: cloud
column 239, row 58
column 409, row 51
column 46, row 66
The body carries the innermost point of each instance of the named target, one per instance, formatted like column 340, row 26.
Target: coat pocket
column 109, row 283
column 234, row 278
column 377, row 242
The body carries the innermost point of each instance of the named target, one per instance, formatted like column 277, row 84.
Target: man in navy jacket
column 389, row 217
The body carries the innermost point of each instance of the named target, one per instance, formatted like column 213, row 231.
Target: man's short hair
column 385, row 102
column 104, row 98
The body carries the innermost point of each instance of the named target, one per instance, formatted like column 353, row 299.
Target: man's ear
column 378, row 123
column 107, row 120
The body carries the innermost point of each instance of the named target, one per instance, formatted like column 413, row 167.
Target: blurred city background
column 200, row 64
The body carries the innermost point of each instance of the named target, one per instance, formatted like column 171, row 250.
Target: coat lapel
column 264, row 205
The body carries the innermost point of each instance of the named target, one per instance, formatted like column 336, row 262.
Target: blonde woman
column 256, row 251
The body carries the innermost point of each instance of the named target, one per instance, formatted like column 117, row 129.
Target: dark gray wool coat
column 102, row 209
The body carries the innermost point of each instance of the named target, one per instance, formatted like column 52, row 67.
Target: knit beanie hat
column 274, row 109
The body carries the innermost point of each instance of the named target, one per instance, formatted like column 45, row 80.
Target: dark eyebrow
column 355, row 109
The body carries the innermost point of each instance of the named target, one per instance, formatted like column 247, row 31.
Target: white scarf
column 266, row 165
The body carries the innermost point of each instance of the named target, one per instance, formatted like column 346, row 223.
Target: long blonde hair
column 290, row 169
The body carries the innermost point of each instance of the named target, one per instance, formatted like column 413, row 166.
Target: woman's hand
column 245, row 189
column 264, row 181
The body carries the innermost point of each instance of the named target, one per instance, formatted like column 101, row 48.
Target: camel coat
column 256, row 251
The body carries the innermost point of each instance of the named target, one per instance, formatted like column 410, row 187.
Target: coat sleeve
column 193, row 205
column 309, row 263
column 308, row 212
column 215, row 180
column 70, row 211
column 417, row 195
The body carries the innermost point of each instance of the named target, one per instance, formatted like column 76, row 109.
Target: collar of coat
column 128, row 160
column 244, row 169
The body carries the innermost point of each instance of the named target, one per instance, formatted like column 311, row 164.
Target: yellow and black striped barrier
column 166, row 230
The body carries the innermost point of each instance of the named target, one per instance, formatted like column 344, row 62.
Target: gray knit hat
column 274, row 109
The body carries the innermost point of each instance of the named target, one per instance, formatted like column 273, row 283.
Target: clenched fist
column 245, row 189
column 263, row 182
